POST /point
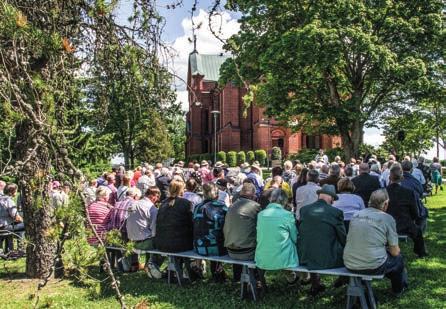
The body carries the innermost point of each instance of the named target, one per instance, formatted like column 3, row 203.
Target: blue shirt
column 350, row 204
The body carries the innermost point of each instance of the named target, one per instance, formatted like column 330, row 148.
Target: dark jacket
column 162, row 182
column 322, row 236
column 330, row 180
column 365, row 184
column 174, row 226
column 402, row 207
column 411, row 183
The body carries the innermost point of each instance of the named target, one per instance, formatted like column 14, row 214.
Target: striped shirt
column 119, row 214
column 99, row 216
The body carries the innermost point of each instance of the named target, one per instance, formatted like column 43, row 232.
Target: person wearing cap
column 256, row 176
column 322, row 235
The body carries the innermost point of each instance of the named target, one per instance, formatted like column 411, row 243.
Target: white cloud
column 206, row 44
column 373, row 136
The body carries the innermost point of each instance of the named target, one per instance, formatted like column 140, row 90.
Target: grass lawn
column 427, row 284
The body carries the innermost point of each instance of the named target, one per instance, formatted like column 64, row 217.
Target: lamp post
column 215, row 113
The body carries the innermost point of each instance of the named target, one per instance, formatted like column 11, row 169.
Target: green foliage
column 231, row 158
column 241, row 157
column 221, row 156
column 260, row 155
column 304, row 155
column 276, row 153
column 333, row 152
column 335, row 66
column 250, row 156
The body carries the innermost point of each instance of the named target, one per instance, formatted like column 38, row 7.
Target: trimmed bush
column 332, row 153
column 304, row 155
column 260, row 155
column 276, row 153
column 241, row 157
column 231, row 158
column 250, row 156
column 221, row 156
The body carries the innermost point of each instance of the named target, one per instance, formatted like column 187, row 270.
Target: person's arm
column 392, row 239
column 413, row 207
column 394, row 250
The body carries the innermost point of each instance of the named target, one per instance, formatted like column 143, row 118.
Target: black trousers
column 416, row 234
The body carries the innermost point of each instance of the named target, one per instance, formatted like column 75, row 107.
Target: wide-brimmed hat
column 256, row 166
column 204, row 163
column 329, row 190
column 244, row 165
column 218, row 164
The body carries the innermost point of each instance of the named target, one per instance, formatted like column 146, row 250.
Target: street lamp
column 215, row 113
column 269, row 150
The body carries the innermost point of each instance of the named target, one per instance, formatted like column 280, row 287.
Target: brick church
column 223, row 110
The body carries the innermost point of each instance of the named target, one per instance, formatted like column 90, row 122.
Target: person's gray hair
column 406, row 165
column 420, row 159
column 378, row 198
column 279, row 196
column 210, row 191
column 375, row 168
column 165, row 171
column 134, row 192
column 238, row 180
column 335, row 170
column 248, row 189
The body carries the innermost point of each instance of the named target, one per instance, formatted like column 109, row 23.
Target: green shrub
column 276, row 153
column 241, row 157
column 221, row 156
column 231, row 158
column 443, row 163
column 332, row 153
column 250, row 156
column 260, row 155
column 304, row 155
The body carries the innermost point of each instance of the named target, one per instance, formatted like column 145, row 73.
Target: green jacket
column 276, row 239
column 322, row 236
column 240, row 224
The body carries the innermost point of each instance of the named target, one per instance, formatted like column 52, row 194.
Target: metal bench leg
column 371, row 297
column 248, row 280
column 244, row 279
column 175, row 266
column 356, row 289
column 253, row 283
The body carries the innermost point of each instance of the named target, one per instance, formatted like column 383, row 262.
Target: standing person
column 322, row 235
column 288, row 174
column 323, row 171
column 162, row 182
column 348, row 202
column 99, row 214
column 209, row 219
column 191, row 194
column 297, row 170
column 113, row 196
column 90, row 191
column 205, row 172
column 2, row 186
column 10, row 219
column 437, row 178
column 141, row 228
column 426, row 171
column 403, row 208
column 372, row 243
column 145, row 181
column 365, row 183
column 307, row 194
column 321, row 156
column 240, row 228
column 121, row 192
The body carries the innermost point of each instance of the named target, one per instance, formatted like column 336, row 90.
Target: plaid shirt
column 119, row 214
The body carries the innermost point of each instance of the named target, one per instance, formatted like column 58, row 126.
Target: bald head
column 364, row 168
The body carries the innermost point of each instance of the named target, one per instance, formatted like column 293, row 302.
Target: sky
column 178, row 31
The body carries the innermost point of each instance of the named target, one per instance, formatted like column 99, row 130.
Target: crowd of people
column 320, row 215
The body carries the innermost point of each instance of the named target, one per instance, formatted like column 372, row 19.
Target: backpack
column 209, row 218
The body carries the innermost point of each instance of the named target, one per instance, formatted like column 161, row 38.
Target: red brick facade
column 236, row 128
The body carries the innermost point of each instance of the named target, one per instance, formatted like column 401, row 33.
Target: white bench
column 359, row 286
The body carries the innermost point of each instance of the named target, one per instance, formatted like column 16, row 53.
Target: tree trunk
column 37, row 209
column 352, row 138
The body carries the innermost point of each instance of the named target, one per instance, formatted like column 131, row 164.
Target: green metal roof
column 206, row 65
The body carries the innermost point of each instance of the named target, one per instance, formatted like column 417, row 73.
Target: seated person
column 275, row 183
column 321, row 235
column 365, row 183
column 277, row 171
column 208, row 220
column 372, row 243
column 141, row 228
column 403, row 208
column 348, row 202
column 192, row 187
column 98, row 212
column 276, row 235
column 240, row 227
column 10, row 220
column 118, row 214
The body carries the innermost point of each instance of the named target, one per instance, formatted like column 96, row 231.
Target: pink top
column 99, row 216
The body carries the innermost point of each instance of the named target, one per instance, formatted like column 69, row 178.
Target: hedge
column 260, row 156
column 250, row 156
column 231, row 158
column 241, row 157
column 221, row 156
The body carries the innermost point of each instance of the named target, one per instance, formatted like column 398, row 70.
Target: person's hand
column 18, row 219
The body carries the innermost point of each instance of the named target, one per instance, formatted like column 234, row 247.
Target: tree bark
column 352, row 138
column 37, row 209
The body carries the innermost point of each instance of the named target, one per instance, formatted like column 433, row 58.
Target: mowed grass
column 427, row 284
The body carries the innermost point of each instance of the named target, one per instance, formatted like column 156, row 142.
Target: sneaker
column 153, row 271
